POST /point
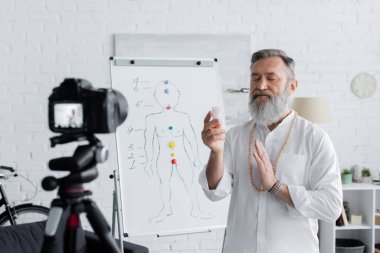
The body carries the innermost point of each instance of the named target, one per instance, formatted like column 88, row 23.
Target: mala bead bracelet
column 275, row 188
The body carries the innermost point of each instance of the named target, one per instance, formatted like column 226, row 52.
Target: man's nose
column 262, row 84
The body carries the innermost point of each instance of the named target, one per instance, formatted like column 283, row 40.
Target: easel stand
column 116, row 214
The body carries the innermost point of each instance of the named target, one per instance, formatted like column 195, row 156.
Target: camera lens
column 121, row 107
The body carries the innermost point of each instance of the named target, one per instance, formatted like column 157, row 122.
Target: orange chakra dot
column 174, row 161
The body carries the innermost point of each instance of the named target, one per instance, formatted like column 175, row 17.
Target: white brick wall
column 41, row 42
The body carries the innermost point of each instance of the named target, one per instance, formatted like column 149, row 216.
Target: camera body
column 75, row 107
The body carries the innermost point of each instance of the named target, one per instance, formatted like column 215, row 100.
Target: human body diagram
column 172, row 132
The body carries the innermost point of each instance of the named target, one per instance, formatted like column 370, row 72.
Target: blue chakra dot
column 166, row 82
column 166, row 91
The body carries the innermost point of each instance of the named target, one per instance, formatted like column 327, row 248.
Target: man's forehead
column 268, row 65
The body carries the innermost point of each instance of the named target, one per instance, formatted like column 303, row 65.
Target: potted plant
column 346, row 176
column 366, row 175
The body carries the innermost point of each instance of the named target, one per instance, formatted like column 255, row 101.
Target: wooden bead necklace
column 274, row 167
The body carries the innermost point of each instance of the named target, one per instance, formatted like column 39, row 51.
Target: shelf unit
column 362, row 199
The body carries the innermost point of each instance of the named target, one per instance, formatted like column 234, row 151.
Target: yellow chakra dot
column 172, row 154
column 172, row 144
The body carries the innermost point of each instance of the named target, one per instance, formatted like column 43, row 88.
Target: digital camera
column 76, row 107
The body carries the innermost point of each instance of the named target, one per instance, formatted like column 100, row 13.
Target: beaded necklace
column 274, row 167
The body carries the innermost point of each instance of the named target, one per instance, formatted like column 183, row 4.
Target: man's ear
column 293, row 86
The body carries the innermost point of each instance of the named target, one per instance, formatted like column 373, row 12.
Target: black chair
column 28, row 238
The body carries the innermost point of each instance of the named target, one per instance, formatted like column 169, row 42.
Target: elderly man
column 281, row 170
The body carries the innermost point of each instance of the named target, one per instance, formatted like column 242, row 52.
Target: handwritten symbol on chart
column 132, row 167
column 131, row 129
column 137, row 82
column 139, row 103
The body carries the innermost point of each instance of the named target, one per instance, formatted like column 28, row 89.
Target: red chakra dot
column 168, row 107
column 174, row 161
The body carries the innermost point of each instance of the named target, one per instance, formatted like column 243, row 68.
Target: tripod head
column 82, row 165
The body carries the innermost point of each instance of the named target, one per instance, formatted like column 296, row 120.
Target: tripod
column 62, row 227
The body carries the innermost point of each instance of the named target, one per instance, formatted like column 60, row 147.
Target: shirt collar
column 285, row 122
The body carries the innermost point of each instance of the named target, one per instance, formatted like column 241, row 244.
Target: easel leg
column 114, row 210
column 117, row 214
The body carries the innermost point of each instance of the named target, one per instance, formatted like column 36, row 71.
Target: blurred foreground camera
column 76, row 107
column 78, row 111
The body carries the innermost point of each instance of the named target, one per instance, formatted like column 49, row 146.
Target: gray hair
column 265, row 53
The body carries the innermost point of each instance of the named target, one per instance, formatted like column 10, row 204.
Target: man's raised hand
column 213, row 133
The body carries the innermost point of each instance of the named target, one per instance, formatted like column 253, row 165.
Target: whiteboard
column 160, row 150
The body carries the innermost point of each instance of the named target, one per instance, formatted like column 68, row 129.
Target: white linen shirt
column 257, row 221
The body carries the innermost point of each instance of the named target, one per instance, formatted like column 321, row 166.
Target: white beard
column 268, row 112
